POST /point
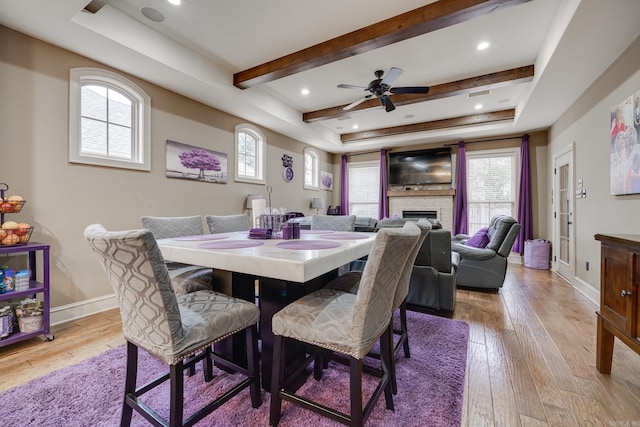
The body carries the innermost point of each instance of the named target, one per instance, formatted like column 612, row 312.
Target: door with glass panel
column 563, row 215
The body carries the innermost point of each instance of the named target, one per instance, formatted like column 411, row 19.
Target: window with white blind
column 310, row 169
column 250, row 154
column 109, row 120
column 364, row 188
column 491, row 186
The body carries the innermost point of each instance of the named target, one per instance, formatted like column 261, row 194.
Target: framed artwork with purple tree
column 326, row 181
column 195, row 163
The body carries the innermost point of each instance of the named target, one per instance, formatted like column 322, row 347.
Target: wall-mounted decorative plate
column 288, row 174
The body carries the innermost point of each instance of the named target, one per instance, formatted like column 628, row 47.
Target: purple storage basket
column 537, row 254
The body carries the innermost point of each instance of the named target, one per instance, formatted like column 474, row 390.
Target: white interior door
column 563, row 200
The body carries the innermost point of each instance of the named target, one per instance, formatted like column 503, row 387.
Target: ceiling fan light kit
column 381, row 89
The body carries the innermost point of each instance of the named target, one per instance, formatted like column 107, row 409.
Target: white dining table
column 284, row 275
column 267, row 259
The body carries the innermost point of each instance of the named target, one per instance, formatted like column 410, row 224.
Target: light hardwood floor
column 531, row 358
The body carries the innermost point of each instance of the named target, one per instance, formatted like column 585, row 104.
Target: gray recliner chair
column 433, row 279
column 432, row 286
column 486, row 267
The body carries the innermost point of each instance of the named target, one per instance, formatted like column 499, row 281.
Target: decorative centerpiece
column 273, row 218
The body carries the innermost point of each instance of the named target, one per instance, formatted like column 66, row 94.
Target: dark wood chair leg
column 277, row 379
column 318, row 365
column 176, row 380
column 388, row 365
column 207, row 365
column 253, row 365
column 130, row 383
column 405, row 330
column 355, row 387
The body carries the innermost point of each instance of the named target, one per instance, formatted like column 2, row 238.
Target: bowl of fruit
column 15, row 233
column 12, row 204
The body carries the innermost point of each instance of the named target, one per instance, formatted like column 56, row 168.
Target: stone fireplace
column 420, row 214
column 413, row 203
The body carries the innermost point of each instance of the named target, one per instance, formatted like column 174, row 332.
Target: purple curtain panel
column 460, row 209
column 525, row 209
column 344, row 187
column 383, row 203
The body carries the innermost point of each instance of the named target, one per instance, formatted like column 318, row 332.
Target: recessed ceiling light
column 175, row 2
column 305, row 91
column 355, row 126
column 483, row 45
column 478, row 106
column 152, row 14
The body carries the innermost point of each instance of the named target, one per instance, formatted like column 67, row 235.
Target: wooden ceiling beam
column 95, row 5
column 459, row 87
column 423, row 20
column 474, row 119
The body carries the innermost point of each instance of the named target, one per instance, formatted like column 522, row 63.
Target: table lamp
column 317, row 203
column 251, row 198
column 256, row 203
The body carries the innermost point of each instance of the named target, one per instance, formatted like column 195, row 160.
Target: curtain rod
column 362, row 154
column 485, row 140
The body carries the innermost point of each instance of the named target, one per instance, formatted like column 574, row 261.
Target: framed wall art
column 624, row 148
column 326, row 181
column 195, row 163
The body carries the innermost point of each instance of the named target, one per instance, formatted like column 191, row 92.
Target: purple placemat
column 315, row 231
column 201, row 237
column 230, row 244
column 302, row 245
column 345, row 236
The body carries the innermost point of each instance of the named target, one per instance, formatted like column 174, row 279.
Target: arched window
column 311, row 169
column 250, row 154
column 109, row 120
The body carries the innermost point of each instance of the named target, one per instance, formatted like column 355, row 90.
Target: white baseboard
column 515, row 258
column 587, row 290
column 77, row 310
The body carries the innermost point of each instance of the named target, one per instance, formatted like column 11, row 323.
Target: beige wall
column 586, row 126
column 63, row 198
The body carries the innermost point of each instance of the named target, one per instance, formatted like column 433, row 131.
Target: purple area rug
column 430, row 389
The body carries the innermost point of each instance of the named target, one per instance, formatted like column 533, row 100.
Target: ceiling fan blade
column 410, row 89
column 358, row 102
column 391, row 76
column 386, row 102
column 343, row 86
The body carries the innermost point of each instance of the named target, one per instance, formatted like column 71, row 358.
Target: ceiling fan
column 381, row 88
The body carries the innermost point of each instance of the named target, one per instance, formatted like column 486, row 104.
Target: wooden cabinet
column 619, row 296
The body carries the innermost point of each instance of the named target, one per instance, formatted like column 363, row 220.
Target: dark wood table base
column 274, row 295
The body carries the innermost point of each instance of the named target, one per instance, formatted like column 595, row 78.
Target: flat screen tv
column 420, row 167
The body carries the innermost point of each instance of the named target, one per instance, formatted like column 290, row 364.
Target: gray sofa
column 486, row 267
column 362, row 223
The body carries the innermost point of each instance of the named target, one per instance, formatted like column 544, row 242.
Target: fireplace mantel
column 422, row 193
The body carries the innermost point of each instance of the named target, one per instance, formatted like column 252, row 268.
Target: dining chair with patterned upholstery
column 184, row 277
column 178, row 330
column 227, row 223
column 350, row 282
column 333, row 223
column 346, row 323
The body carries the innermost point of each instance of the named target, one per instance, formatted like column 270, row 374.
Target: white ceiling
column 200, row 45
